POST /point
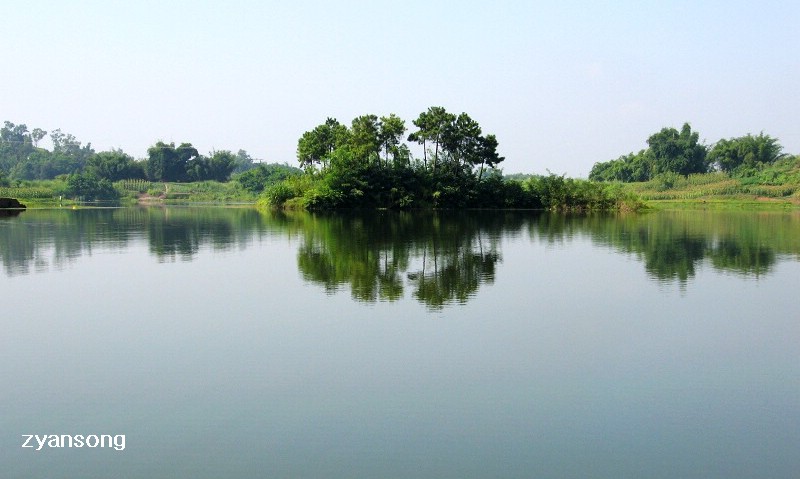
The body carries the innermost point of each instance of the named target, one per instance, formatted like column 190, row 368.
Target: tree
column 626, row 168
column 431, row 124
column 167, row 163
column 15, row 145
column 487, row 154
column 460, row 139
column 257, row 179
column 746, row 151
column 365, row 141
column 244, row 162
column 678, row 152
column 36, row 135
column 316, row 146
column 114, row 165
column 217, row 167
column 65, row 145
column 89, row 187
column 391, row 130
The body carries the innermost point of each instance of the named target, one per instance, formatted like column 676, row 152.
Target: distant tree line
column 22, row 158
column 88, row 173
column 679, row 152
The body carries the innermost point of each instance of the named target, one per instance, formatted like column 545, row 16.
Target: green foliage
column 556, row 192
column 217, row 167
column 243, row 162
column 114, row 166
column 458, row 143
column 669, row 151
column 169, row 163
column 678, row 152
column 367, row 166
column 278, row 194
column 780, row 179
column 668, row 180
column 29, row 192
column 745, row 153
column 257, row 179
column 22, row 159
column 88, row 187
column 390, row 135
column 626, row 168
column 133, row 185
column 315, row 146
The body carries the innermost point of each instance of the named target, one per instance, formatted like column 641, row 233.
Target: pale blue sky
column 561, row 84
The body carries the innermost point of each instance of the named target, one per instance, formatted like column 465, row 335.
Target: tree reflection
column 45, row 239
column 674, row 244
column 439, row 258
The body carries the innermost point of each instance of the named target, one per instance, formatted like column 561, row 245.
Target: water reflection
column 40, row 240
column 437, row 258
column 673, row 245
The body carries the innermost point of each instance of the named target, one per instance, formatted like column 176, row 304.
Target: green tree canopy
column 316, row 146
column 217, row 167
column 630, row 167
column 678, row 151
column 365, row 140
column 391, row 131
column 747, row 151
column 167, row 163
column 114, row 165
column 431, row 125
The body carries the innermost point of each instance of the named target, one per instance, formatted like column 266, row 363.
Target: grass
column 776, row 185
column 196, row 192
column 771, row 187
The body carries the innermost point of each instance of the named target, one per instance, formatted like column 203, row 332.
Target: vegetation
column 257, row 179
column 72, row 172
column 369, row 164
column 768, row 182
column 671, row 152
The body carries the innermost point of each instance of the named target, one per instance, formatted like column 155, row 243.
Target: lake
column 228, row 342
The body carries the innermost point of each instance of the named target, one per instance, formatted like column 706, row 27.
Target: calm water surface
column 233, row 343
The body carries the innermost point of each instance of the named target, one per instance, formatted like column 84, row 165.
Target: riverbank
column 706, row 191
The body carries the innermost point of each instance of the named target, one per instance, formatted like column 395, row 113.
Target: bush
column 278, row 194
column 88, row 187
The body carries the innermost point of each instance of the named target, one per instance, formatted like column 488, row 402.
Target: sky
column 562, row 85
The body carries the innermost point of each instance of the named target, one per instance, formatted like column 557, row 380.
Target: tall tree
column 487, row 154
column 460, row 140
column 15, row 145
column 431, row 126
column 167, row 163
column 114, row 165
column 37, row 135
column 244, row 162
column 748, row 151
column 217, row 167
column 365, row 141
column 391, row 131
column 316, row 146
column 678, row 151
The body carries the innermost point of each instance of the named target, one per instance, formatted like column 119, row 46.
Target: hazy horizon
column 562, row 86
